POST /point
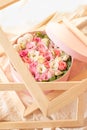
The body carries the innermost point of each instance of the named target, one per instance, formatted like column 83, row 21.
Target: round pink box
column 64, row 38
column 68, row 42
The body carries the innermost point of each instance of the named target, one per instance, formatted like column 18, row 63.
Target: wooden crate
column 71, row 90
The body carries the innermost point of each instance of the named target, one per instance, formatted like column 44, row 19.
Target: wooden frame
column 45, row 105
column 71, row 90
column 78, row 122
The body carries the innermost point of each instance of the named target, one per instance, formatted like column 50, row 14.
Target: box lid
column 64, row 38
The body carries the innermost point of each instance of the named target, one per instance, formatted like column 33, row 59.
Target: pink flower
column 47, row 65
column 23, row 53
column 37, row 39
column 47, row 55
column 46, row 76
column 37, row 77
column 42, row 77
column 33, row 64
column 31, row 45
column 62, row 65
column 32, row 68
column 26, row 59
column 41, row 47
column 57, row 52
column 43, row 58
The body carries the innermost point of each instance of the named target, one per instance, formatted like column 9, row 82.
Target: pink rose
column 32, row 68
column 37, row 39
column 41, row 47
column 47, row 65
column 62, row 65
column 26, row 59
column 33, row 64
column 38, row 77
column 57, row 52
column 23, row 53
column 47, row 55
column 48, row 75
column 31, row 45
column 45, row 76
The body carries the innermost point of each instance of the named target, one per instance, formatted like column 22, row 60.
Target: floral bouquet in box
column 44, row 59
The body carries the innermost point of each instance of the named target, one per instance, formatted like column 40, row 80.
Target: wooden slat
column 30, row 109
column 65, row 85
column 44, row 22
column 3, row 78
column 53, row 128
column 85, row 123
column 39, row 129
column 76, row 31
column 28, row 79
column 67, row 97
column 80, row 108
column 5, row 3
column 40, row 124
column 33, row 107
column 44, row 86
column 82, row 23
column 55, row 17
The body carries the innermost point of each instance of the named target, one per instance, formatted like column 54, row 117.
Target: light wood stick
column 28, row 79
column 33, row 107
column 40, row 124
column 44, row 86
column 83, row 22
column 85, row 123
column 44, row 22
column 5, row 3
column 53, row 128
column 3, row 78
column 30, row 109
column 40, row 129
column 80, row 108
column 55, row 17
column 76, row 31
column 67, row 97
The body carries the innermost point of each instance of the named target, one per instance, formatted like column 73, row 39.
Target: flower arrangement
column 44, row 59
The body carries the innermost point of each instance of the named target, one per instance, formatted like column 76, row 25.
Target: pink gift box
column 67, row 41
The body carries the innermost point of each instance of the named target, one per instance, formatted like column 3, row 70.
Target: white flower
column 57, row 59
column 28, row 37
column 58, row 72
column 34, row 55
column 21, row 40
column 41, row 59
column 46, row 41
column 65, row 57
column 21, row 43
column 41, row 68
column 54, row 65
